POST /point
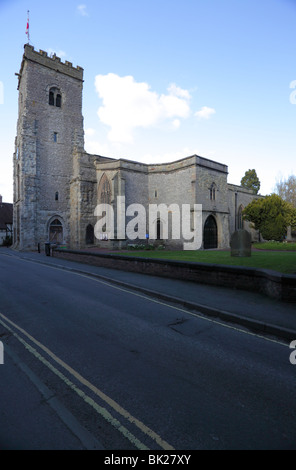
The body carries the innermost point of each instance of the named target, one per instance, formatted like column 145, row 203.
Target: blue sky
column 164, row 80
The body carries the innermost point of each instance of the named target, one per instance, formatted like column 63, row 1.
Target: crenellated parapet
column 52, row 62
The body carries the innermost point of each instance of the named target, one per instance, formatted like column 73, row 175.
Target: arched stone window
column 105, row 197
column 213, row 191
column 55, row 97
column 104, row 190
column 158, row 229
column 59, row 100
column 51, row 98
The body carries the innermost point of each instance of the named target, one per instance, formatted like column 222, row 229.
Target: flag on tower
column 27, row 28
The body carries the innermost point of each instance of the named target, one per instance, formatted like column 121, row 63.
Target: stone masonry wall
column 273, row 284
column 240, row 197
column 54, row 178
column 46, row 139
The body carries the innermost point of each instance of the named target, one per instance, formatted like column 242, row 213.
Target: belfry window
column 58, row 100
column 51, row 98
column 55, row 97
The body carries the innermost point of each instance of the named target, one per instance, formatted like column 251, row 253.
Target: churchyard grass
column 281, row 261
column 277, row 246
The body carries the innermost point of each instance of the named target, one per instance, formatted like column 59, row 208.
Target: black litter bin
column 47, row 249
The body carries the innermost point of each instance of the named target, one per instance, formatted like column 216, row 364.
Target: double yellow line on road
column 11, row 327
column 107, row 400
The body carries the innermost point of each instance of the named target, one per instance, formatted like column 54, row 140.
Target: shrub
column 271, row 216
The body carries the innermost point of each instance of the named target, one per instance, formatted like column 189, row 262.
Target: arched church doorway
column 56, row 231
column 89, row 235
column 210, row 233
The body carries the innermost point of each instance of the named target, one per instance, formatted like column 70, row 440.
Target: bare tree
column 286, row 189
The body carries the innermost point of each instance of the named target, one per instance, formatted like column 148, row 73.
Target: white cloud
column 116, row 150
column 89, row 131
column 177, row 91
column 205, row 112
column 61, row 54
column 167, row 157
column 176, row 123
column 98, row 148
column 82, row 10
column 128, row 105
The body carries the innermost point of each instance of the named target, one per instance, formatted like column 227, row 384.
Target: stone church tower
column 49, row 134
column 58, row 185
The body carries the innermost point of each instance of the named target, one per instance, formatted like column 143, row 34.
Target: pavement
column 254, row 311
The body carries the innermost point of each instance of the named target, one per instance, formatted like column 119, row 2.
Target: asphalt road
column 91, row 365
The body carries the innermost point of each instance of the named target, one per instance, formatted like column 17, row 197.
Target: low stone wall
column 271, row 283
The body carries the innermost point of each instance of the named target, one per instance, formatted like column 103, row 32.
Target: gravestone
column 240, row 243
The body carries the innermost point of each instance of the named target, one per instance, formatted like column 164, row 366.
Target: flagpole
column 27, row 28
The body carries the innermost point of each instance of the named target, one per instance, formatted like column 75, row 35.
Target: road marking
column 100, row 410
column 202, row 317
column 85, row 437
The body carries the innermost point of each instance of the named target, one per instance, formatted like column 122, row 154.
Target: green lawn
column 284, row 262
column 278, row 246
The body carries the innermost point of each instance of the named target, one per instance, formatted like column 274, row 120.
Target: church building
column 57, row 185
